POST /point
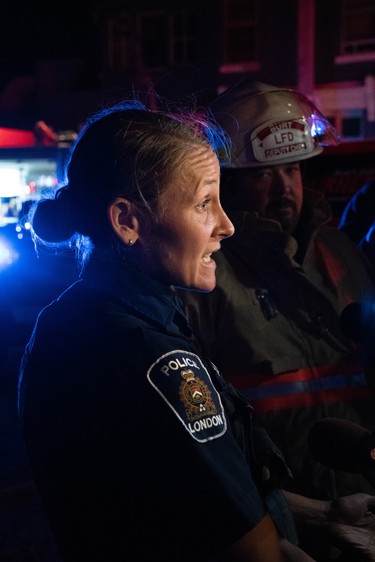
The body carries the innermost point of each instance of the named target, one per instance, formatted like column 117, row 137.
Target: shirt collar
column 145, row 295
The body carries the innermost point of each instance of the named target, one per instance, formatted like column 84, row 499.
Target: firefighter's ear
column 124, row 221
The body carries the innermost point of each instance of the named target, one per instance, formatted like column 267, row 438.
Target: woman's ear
column 124, row 220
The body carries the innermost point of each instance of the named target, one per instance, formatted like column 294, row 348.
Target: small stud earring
column 130, row 242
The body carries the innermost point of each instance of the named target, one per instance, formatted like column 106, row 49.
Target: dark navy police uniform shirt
column 129, row 440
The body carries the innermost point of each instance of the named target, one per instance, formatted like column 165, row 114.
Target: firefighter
column 272, row 324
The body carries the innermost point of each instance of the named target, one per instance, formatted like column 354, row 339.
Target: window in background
column 350, row 124
column 151, row 40
column 357, row 27
column 119, row 42
column 167, row 39
column 239, row 36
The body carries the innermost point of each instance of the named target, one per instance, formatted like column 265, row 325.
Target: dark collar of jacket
column 142, row 294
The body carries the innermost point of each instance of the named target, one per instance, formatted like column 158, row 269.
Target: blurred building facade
column 192, row 49
column 188, row 52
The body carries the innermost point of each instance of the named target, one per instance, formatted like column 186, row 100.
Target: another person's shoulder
column 331, row 235
column 341, row 247
column 359, row 212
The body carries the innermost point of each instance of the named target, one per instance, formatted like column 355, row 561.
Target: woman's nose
column 226, row 225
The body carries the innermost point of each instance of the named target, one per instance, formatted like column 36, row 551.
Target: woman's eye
column 203, row 204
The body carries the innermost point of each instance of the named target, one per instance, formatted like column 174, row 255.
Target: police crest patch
column 185, row 385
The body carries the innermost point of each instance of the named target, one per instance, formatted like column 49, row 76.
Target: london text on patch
column 184, row 383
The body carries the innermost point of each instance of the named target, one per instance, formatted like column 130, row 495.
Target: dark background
column 52, row 67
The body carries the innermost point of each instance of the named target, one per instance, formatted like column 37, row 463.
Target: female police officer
column 138, row 447
column 129, row 441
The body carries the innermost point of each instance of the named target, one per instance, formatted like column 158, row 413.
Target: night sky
column 31, row 32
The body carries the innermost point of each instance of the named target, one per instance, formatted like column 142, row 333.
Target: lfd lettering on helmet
column 272, row 142
column 284, row 137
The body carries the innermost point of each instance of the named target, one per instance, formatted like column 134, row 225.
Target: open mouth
column 207, row 258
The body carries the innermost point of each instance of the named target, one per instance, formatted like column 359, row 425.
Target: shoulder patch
column 185, row 385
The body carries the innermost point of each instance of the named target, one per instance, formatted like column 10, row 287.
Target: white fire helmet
column 269, row 125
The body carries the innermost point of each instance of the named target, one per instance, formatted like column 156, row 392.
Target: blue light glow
column 8, row 255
